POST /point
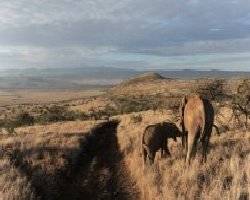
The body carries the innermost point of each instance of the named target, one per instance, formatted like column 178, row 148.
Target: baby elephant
column 155, row 137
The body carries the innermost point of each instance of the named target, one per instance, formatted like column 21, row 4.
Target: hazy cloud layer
column 126, row 33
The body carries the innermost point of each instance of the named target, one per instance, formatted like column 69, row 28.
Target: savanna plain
column 80, row 145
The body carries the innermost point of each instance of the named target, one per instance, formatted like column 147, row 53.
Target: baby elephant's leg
column 151, row 157
column 166, row 149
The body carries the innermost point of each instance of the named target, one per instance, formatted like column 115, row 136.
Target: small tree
column 214, row 90
column 241, row 100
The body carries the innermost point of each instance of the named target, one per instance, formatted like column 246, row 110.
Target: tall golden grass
column 31, row 159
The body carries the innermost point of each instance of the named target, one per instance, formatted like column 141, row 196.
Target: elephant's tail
column 203, row 128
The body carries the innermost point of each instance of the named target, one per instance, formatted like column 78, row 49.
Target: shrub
column 59, row 113
column 241, row 100
column 125, row 105
column 110, row 111
column 10, row 128
column 24, row 119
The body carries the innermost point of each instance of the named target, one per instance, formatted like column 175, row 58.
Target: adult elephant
column 197, row 117
column 155, row 137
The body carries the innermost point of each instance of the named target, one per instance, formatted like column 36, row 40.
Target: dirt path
column 100, row 172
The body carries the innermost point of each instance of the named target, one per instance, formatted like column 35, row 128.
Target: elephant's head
column 174, row 131
column 181, row 109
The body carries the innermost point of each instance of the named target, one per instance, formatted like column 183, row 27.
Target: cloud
column 72, row 32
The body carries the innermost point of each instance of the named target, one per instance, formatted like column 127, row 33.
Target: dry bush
column 136, row 103
column 225, row 121
column 28, row 116
column 212, row 89
column 226, row 174
column 241, row 100
column 136, row 118
column 89, row 104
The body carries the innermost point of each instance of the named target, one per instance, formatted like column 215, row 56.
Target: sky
column 138, row 34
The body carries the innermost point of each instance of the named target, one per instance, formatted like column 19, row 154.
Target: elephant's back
column 194, row 112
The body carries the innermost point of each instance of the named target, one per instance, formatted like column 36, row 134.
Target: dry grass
column 226, row 175
column 34, row 160
column 28, row 96
column 88, row 105
column 31, row 160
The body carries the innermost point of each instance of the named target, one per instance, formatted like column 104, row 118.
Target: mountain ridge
column 68, row 78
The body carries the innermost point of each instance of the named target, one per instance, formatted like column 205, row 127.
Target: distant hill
column 89, row 77
column 194, row 74
column 145, row 77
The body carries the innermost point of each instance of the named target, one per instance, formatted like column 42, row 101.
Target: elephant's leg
column 191, row 146
column 183, row 138
column 168, row 152
column 163, row 150
column 204, row 150
column 144, row 154
column 205, row 142
column 166, row 149
column 184, row 142
column 152, row 157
